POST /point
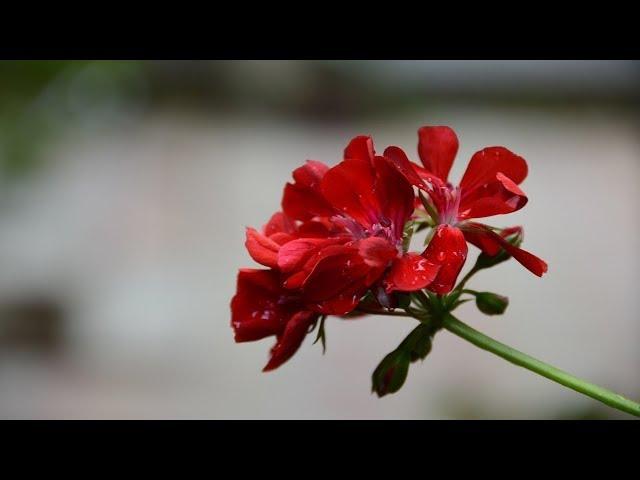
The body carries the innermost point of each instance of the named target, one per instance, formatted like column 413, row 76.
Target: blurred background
column 125, row 188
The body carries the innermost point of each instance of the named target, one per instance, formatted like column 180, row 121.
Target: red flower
column 488, row 187
column 368, row 202
column 261, row 307
column 340, row 235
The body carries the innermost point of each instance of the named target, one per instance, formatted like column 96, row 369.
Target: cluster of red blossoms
column 344, row 233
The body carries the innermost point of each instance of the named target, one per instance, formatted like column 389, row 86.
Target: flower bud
column 418, row 342
column 491, row 303
column 391, row 373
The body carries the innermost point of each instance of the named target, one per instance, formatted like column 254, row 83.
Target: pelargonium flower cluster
column 341, row 242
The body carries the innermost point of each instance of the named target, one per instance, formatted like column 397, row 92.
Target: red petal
column 279, row 223
column 281, row 238
column 315, row 229
column 417, row 176
column 360, row 147
column 256, row 310
column 395, row 195
column 342, row 303
column 493, row 198
column 349, row 189
column 291, row 339
column 448, row 249
column 406, row 168
column 311, row 260
column 376, row 251
column 410, row 273
column 310, row 174
column 437, row 148
column 485, row 165
column 535, row 265
column 369, row 190
column 303, row 203
column 486, row 243
column 337, row 282
column 532, row 263
column 303, row 200
column 296, row 253
column 261, row 248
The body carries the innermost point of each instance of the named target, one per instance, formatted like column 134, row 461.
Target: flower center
column 449, row 204
column 383, row 228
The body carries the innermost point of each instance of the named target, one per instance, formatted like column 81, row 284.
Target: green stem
column 512, row 355
column 466, row 278
column 429, row 208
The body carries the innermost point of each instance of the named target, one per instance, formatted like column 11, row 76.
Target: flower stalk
column 480, row 340
column 464, row 331
column 435, row 312
column 341, row 246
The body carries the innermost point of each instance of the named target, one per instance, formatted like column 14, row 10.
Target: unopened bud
column 491, row 303
column 391, row 373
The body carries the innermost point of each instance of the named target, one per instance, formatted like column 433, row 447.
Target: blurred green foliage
column 38, row 98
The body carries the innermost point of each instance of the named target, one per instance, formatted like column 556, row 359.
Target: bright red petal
column 303, row 200
column 535, row 265
column 303, row 203
column 437, row 148
column 532, row 263
column 295, row 254
column 342, row 303
column 310, row 260
column 377, row 251
column 261, row 248
column 310, row 174
column 485, row 165
column 349, row 189
column 493, row 198
column 256, row 310
column 337, row 282
column 395, row 195
column 410, row 273
column 360, row 147
column 282, row 238
column 478, row 237
column 447, row 248
column 406, row 168
column 417, row 176
column 316, row 229
column 484, row 242
column 279, row 223
column 291, row 339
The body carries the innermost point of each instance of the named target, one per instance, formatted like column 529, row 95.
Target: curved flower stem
column 466, row 278
column 512, row 355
